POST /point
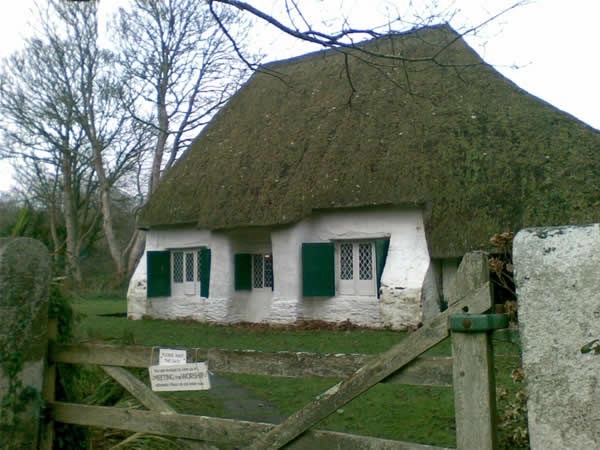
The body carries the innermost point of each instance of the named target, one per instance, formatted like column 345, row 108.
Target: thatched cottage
column 335, row 187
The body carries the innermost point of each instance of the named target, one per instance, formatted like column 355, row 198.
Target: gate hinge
column 477, row 323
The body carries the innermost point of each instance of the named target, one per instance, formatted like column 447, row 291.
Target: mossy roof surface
column 453, row 137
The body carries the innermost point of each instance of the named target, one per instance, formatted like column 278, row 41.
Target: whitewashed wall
column 137, row 302
column 403, row 277
column 254, row 305
column 409, row 292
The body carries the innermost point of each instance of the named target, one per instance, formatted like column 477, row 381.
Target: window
column 178, row 272
column 262, row 271
column 177, row 258
column 343, row 268
column 355, row 270
column 253, row 271
column 186, row 271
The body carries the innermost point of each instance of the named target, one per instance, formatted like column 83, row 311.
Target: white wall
column 400, row 303
column 137, row 302
column 253, row 305
column 184, row 306
column 402, row 285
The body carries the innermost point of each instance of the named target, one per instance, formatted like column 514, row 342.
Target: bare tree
column 40, row 186
column 72, row 112
column 63, row 112
column 97, row 97
column 39, row 183
column 39, row 128
column 294, row 21
column 181, row 69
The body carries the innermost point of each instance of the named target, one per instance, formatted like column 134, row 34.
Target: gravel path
column 241, row 403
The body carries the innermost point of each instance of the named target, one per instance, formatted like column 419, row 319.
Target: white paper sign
column 183, row 377
column 170, row 356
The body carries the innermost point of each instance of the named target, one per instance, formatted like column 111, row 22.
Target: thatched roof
column 455, row 138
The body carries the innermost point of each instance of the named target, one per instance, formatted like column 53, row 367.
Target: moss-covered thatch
column 477, row 153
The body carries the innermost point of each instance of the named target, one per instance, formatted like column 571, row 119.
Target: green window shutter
column 205, row 271
column 158, row 272
column 318, row 274
column 381, row 251
column 243, row 271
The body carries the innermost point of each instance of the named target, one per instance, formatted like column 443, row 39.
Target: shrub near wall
column 511, row 395
column 24, row 281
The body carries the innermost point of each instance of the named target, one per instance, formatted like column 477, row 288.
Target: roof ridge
column 480, row 153
column 333, row 50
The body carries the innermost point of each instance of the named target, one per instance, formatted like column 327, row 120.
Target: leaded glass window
column 365, row 261
column 355, row 266
column 268, row 271
column 346, row 262
column 189, row 267
column 186, row 271
column 178, row 267
column 257, row 277
column 262, row 271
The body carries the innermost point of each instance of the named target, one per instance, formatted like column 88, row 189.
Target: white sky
column 547, row 47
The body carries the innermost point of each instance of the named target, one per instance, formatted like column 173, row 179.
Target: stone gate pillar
column 24, row 282
column 557, row 274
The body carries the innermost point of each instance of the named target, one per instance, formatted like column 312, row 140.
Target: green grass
column 408, row 413
column 194, row 334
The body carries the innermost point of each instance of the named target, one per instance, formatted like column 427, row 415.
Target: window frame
column 264, row 281
column 358, row 285
column 198, row 286
column 245, row 271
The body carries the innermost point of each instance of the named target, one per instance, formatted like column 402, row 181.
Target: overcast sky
column 547, row 47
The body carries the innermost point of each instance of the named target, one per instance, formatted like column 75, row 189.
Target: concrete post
column 24, row 282
column 558, row 287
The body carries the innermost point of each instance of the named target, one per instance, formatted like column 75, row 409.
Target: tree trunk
column 136, row 251
column 73, row 268
column 106, row 207
column 56, row 244
column 109, row 232
column 163, row 133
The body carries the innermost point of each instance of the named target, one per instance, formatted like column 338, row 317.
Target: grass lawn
column 408, row 413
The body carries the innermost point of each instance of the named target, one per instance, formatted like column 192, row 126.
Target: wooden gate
column 470, row 371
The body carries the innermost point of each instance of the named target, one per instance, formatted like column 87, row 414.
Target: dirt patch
column 112, row 315
column 240, row 403
column 301, row 325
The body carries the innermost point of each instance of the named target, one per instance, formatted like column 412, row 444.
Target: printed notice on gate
column 183, row 377
column 170, row 356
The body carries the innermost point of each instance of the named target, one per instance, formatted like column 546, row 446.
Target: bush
column 512, row 403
